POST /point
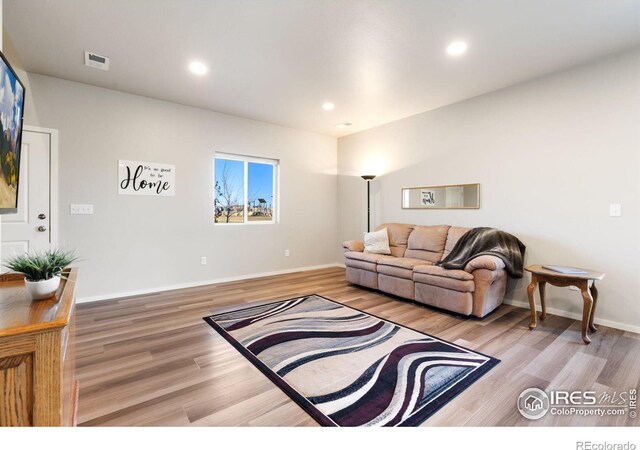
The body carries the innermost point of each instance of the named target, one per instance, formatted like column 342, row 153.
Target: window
column 245, row 189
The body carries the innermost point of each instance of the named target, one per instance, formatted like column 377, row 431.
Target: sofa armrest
column 487, row 262
column 353, row 246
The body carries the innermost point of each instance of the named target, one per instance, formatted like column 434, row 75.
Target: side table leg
column 594, row 295
column 532, row 304
column 543, row 313
column 586, row 313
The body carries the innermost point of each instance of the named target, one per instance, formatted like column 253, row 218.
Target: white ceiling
column 278, row 60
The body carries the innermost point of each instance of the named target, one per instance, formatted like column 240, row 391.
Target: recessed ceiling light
column 328, row 106
column 198, row 68
column 457, row 48
column 344, row 125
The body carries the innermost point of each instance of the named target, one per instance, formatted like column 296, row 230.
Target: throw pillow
column 377, row 242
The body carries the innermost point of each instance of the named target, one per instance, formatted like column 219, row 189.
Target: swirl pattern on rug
column 346, row 367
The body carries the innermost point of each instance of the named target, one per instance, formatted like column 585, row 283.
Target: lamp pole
column 368, row 178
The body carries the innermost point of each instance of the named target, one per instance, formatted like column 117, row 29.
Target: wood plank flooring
column 152, row 361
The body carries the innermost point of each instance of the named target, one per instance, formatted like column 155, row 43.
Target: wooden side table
column 38, row 385
column 541, row 276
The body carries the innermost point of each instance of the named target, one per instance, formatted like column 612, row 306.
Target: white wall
column 551, row 155
column 134, row 243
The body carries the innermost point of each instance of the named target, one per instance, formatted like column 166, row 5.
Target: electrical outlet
column 81, row 209
column 615, row 210
column 203, row 260
column 286, row 252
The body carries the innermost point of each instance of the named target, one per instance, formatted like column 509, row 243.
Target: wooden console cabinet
column 37, row 361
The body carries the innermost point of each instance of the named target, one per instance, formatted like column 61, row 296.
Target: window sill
column 245, row 223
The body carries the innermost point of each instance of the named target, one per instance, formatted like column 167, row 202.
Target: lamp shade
column 368, row 177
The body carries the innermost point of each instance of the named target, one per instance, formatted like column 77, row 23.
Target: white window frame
column 276, row 186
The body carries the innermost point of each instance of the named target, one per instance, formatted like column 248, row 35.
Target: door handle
column 42, row 216
column 42, row 228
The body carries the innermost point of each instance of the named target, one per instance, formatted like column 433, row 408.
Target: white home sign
column 144, row 178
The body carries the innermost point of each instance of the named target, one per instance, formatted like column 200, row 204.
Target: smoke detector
column 96, row 61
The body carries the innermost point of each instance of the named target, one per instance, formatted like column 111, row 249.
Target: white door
column 30, row 228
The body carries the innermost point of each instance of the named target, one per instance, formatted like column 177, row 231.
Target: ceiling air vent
column 96, row 61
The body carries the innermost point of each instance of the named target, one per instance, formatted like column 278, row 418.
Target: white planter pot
column 40, row 290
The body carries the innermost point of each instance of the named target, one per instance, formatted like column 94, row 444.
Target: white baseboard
column 577, row 316
column 173, row 287
column 518, row 303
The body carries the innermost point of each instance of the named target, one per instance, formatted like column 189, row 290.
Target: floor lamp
column 368, row 178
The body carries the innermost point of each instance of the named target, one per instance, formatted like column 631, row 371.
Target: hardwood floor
column 152, row 360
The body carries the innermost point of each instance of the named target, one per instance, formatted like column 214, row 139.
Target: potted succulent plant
column 42, row 270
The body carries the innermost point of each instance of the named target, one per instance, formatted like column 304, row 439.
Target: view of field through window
column 237, row 201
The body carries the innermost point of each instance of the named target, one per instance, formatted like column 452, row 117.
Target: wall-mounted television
column 11, row 115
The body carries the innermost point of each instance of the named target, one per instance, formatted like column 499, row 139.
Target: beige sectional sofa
column 410, row 272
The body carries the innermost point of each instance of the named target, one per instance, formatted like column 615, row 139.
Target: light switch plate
column 81, row 209
column 615, row 210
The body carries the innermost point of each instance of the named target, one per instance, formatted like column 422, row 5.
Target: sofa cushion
column 442, row 272
column 362, row 256
column 427, row 243
column 453, row 284
column 403, row 263
column 365, row 261
column 453, row 235
column 399, row 267
column 457, row 280
column 377, row 242
column 398, row 236
column 363, row 265
column 394, row 271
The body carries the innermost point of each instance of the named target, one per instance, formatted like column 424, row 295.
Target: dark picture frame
column 11, row 145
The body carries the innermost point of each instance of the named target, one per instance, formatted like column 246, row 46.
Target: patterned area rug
column 348, row 368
